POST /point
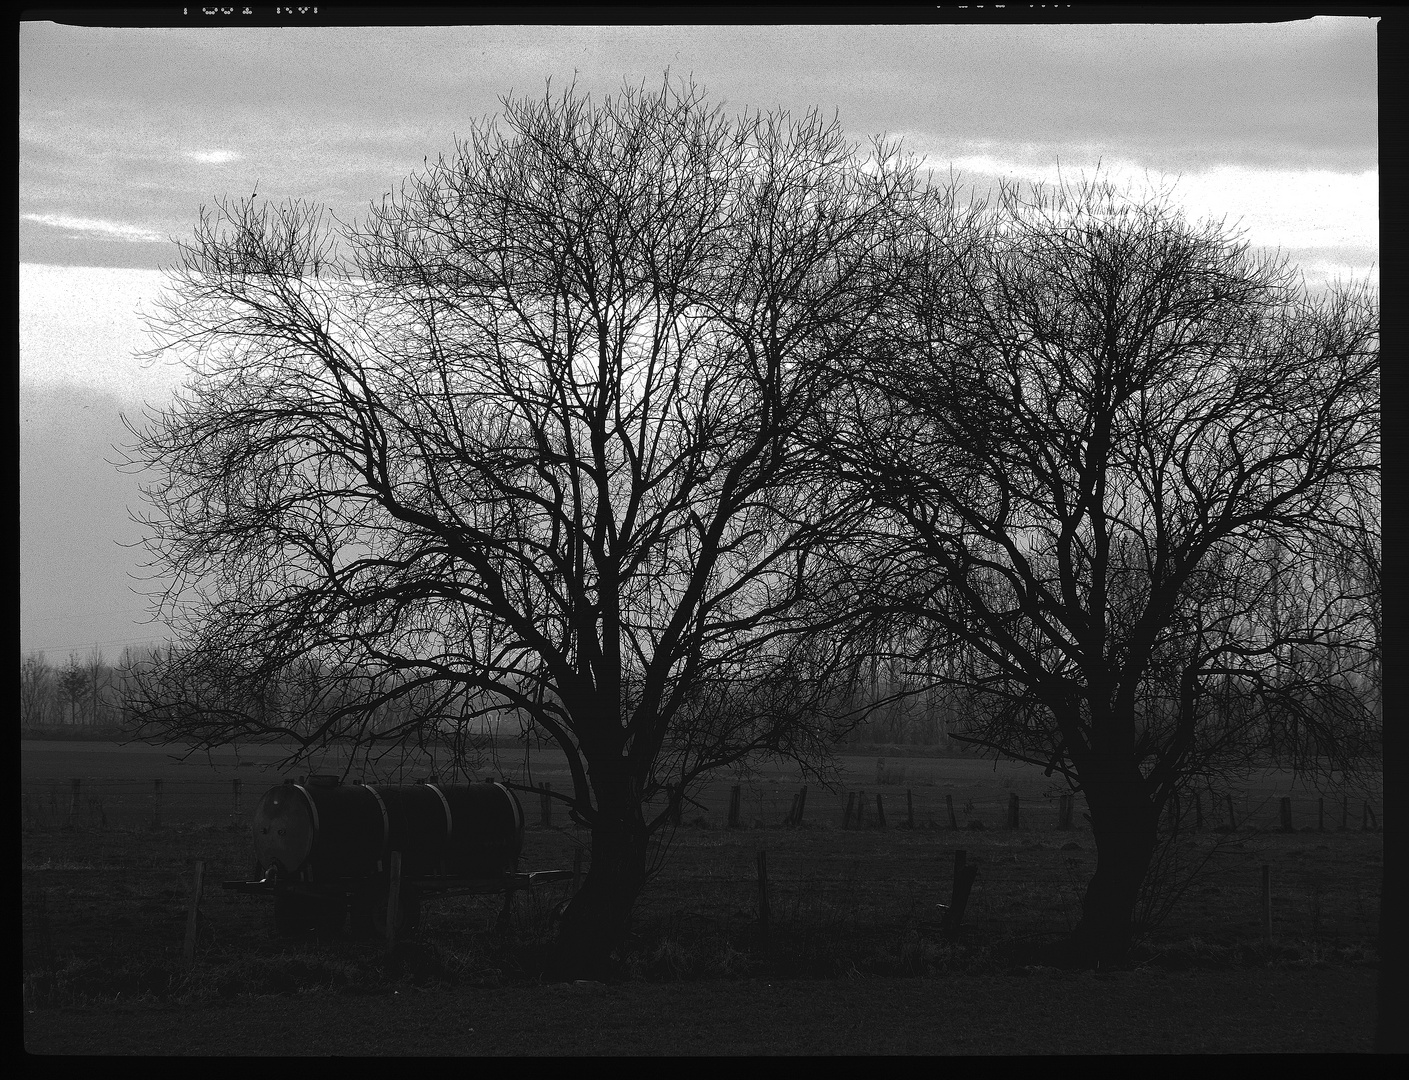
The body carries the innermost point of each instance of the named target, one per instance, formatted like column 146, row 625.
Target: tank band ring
column 449, row 818
column 312, row 809
column 386, row 821
column 517, row 809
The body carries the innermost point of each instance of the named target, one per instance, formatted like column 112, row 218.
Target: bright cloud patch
column 111, row 230
column 212, row 157
column 1303, row 209
column 1335, row 214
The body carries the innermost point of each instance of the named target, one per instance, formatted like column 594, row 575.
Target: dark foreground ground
column 1146, row 1011
column 853, row 961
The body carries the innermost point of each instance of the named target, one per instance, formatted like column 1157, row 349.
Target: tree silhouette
column 1125, row 480
column 525, row 442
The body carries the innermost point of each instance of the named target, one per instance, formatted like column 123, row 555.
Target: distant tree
column 74, row 684
column 36, row 690
column 527, row 442
column 99, row 676
column 1125, row 479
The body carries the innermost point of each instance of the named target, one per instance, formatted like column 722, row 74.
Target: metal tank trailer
column 325, row 851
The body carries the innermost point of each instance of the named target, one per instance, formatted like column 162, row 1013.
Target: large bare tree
column 525, row 440
column 1125, row 479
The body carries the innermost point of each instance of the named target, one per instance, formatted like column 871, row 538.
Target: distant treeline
column 90, row 697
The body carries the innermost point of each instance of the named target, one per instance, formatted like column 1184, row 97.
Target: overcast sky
column 126, row 133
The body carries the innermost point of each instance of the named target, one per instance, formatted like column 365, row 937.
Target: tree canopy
column 526, row 439
column 1124, row 476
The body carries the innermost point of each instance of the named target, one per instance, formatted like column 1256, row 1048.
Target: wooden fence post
column 156, row 804
column 880, row 812
column 74, row 804
column 1232, row 818
column 1064, row 804
column 194, row 912
column 861, row 810
column 846, row 814
column 949, row 804
column 235, row 788
column 393, row 901
column 735, row 794
column 762, row 862
column 1285, row 810
column 545, row 805
column 1013, row 810
column 1368, row 819
column 909, row 809
column 1267, row 900
column 964, row 876
column 801, row 805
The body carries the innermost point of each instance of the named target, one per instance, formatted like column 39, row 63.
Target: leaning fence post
column 1064, row 803
column 880, row 812
column 801, row 805
column 949, row 804
column 1013, row 810
column 393, row 901
column 846, row 814
column 156, row 804
column 963, row 883
column 1368, row 819
column 1267, row 900
column 1232, row 818
column 762, row 862
column 735, row 794
column 193, row 913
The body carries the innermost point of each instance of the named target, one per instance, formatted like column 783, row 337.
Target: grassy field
column 853, row 961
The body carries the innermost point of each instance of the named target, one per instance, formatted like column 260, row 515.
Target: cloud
column 108, row 230
column 212, row 157
column 1333, row 213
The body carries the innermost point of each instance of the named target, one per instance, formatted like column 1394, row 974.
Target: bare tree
column 36, row 690
column 99, row 677
column 526, row 441
column 1125, row 477
column 74, row 684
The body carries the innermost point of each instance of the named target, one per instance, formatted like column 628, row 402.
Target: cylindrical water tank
column 321, row 833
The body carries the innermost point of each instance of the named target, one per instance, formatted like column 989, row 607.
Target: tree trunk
column 598, row 917
column 1124, row 825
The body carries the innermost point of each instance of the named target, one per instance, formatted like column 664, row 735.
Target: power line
column 97, row 645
